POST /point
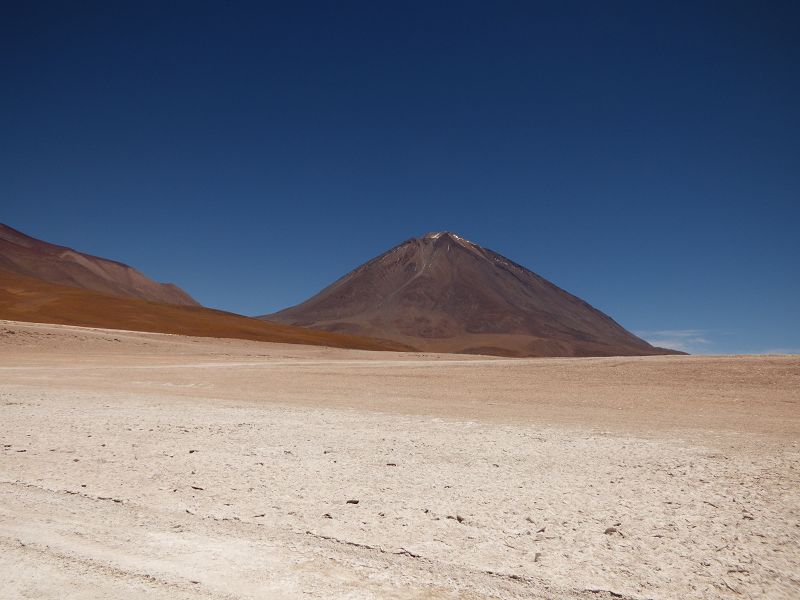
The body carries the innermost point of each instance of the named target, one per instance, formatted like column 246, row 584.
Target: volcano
column 443, row 293
column 30, row 257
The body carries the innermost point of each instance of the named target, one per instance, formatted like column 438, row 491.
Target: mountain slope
column 25, row 255
column 27, row 299
column 444, row 293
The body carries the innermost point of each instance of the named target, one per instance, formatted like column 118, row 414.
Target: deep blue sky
column 642, row 155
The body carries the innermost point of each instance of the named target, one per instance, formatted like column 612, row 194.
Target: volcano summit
column 443, row 293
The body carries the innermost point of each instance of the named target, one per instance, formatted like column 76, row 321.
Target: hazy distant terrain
column 147, row 465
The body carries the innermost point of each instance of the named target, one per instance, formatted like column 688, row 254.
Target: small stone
column 352, row 502
column 458, row 518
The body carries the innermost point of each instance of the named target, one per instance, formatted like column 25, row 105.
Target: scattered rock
column 352, row 502
column 391, row 464
column 195, row 487
column 327, row 516
column 192, row 451
column 458, row 518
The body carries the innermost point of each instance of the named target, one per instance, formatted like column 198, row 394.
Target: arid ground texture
column 138, row 465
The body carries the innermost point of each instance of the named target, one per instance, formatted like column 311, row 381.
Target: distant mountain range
column 443, row 293
column 24, row 255
column 437, row 293
column 45, row 283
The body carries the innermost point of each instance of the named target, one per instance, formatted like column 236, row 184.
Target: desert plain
column 139, row 465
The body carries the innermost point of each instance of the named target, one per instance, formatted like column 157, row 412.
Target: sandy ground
column 153, row 466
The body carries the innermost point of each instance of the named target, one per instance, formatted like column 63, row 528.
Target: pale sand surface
column 475, row 477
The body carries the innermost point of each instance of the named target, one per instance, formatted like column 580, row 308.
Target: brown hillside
column 25, row 255
column 28, row 299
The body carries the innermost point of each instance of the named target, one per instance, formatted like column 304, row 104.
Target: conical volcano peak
column 435, row 235
column 447, row 236
column 443, row 293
